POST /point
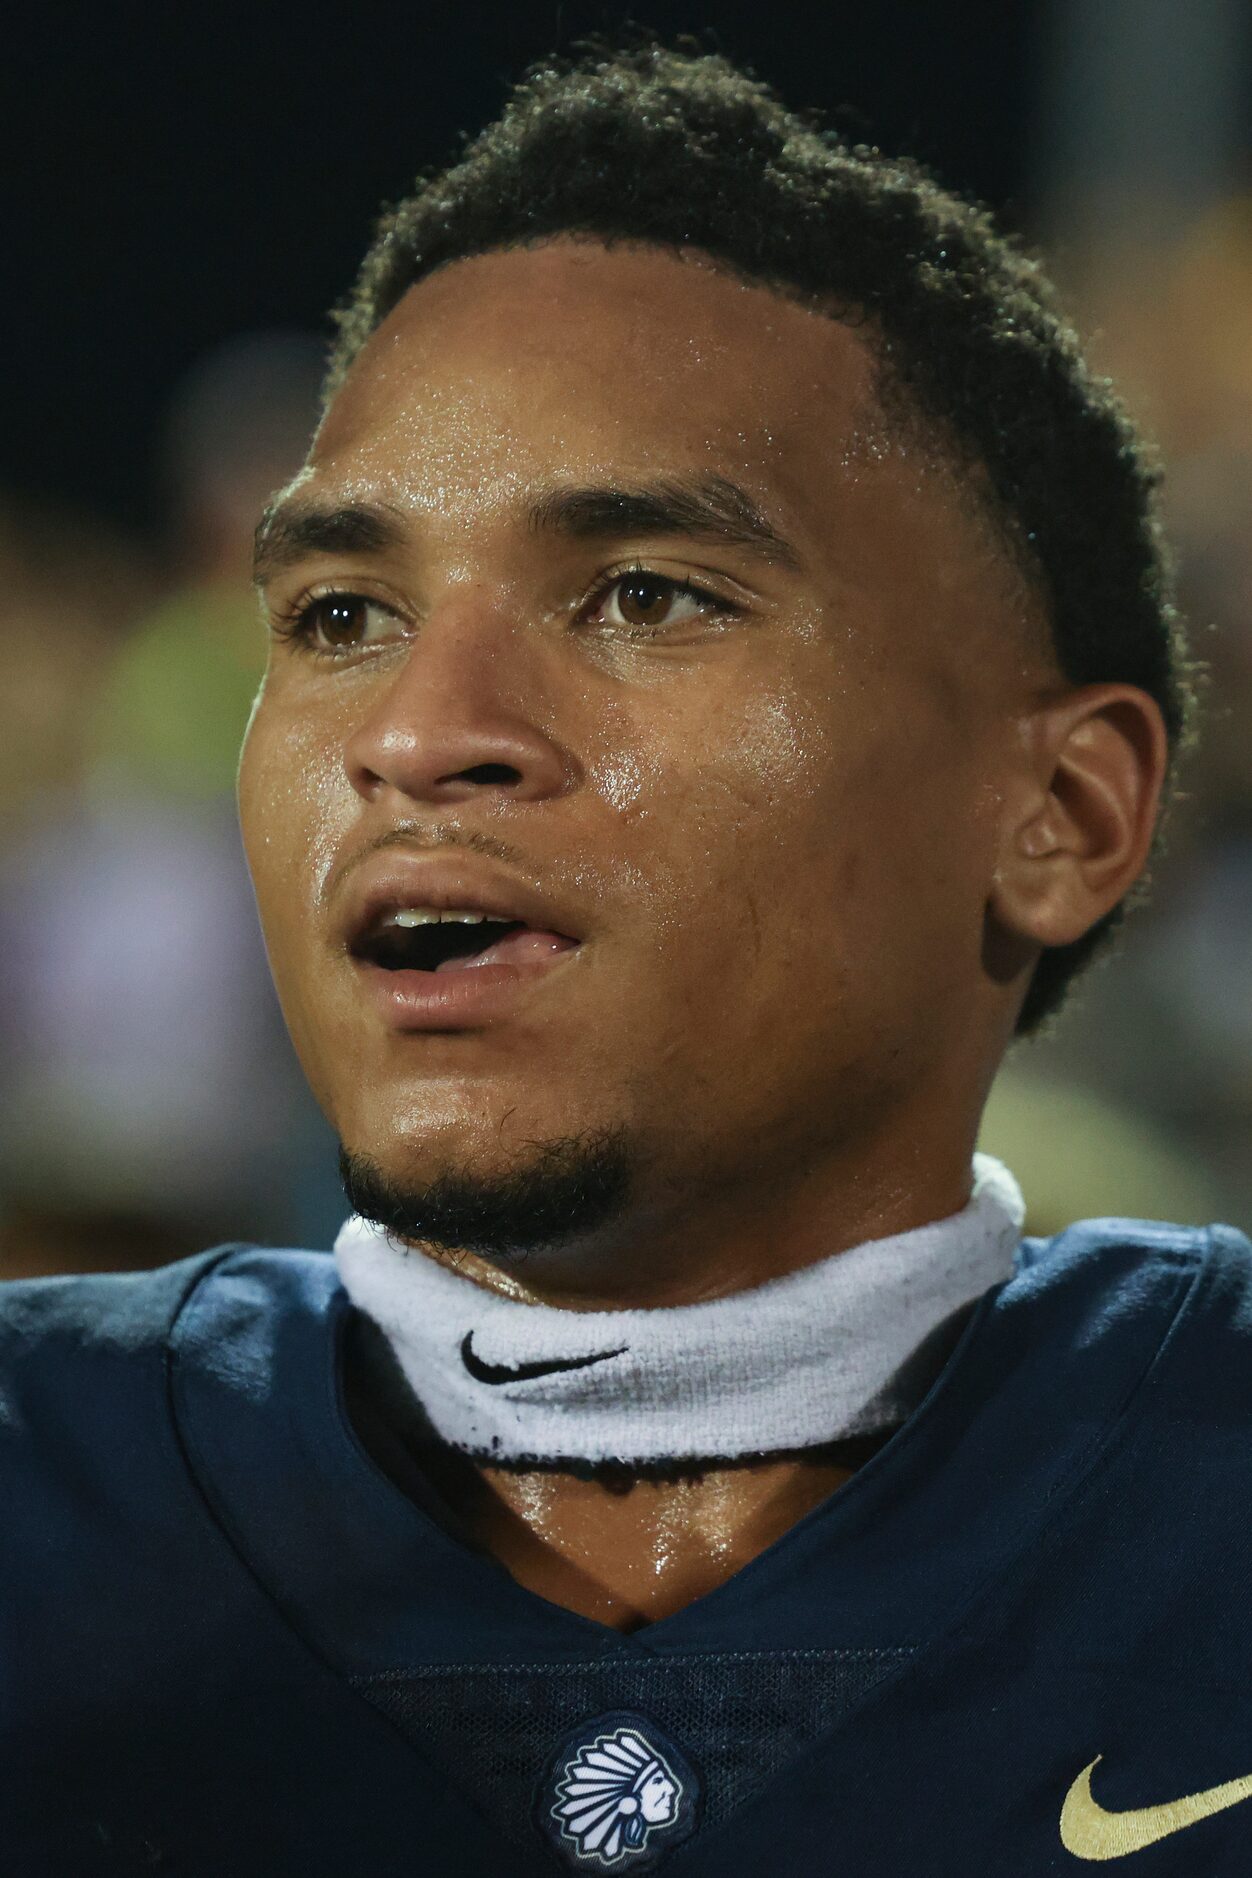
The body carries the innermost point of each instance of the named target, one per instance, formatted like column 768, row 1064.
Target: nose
column 463, row 715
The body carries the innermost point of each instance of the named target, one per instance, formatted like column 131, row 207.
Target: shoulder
column 109, row 1311
column 90, row 1352
column 1183, row 1292
column 1123, row 1253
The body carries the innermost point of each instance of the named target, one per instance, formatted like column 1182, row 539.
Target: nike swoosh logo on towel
column 1089, row 1832
column 501, row 1372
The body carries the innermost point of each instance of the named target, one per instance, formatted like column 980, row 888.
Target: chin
column 488, row 1145
column 478, row 1195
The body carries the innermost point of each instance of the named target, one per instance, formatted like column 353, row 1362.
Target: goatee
column 568, row 1189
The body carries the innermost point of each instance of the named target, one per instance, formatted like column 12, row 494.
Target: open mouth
column 417, row 944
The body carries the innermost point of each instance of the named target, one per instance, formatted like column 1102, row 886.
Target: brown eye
column 642, row 604
column 338, row 622
column 338, row 617
column 644, row 600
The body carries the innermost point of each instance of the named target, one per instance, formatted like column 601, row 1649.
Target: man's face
column 767, row 811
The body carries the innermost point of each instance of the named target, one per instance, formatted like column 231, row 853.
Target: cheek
column 812, row 845
column 720, row 822
column 767, row 799
column 910, row 863
column 293, row 803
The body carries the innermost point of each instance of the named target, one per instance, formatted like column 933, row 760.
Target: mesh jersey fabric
column 230, row 1644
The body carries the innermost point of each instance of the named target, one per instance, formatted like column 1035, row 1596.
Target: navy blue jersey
column 1018, row 1641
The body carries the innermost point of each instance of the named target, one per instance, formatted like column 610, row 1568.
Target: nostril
column 492, row 773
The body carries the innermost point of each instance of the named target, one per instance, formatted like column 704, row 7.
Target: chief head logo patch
column 618, row 1795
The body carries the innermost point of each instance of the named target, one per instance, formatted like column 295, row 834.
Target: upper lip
column 397, row 880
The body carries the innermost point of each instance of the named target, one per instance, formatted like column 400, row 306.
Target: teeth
column 433, row 916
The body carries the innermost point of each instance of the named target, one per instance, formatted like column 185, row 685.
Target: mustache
column 426, row 837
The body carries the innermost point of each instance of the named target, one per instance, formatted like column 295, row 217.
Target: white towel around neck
column 810, row 1357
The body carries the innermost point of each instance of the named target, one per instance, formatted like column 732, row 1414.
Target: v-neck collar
column 374, row 1580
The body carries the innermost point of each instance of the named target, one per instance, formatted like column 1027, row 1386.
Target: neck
column 742, row 1234
column 626, row 1475
column 820, row 1352
column 621, row 1545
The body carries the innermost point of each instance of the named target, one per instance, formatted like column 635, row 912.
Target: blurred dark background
column 206, row 172
column 185, row 193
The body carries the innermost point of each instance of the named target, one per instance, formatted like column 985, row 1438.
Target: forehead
column 502, row 376
column 570, row 357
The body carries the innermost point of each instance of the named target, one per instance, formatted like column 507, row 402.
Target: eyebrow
column 290, row 531
column 704, row 508
column 707, row 507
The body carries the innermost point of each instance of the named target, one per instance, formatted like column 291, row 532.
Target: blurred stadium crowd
column 150, row 1103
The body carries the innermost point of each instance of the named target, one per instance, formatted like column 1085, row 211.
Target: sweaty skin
column 814, row 844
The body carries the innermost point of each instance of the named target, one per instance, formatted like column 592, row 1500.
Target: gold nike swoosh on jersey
column 1088, row 1831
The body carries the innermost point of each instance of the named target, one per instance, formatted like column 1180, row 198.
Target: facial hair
column 567, row 1190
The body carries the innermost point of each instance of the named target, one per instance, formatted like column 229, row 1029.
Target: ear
column 1079, row 812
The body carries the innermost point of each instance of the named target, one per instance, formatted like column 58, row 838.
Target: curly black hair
column 678, row 147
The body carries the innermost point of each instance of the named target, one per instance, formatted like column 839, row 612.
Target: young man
column 723, row 686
